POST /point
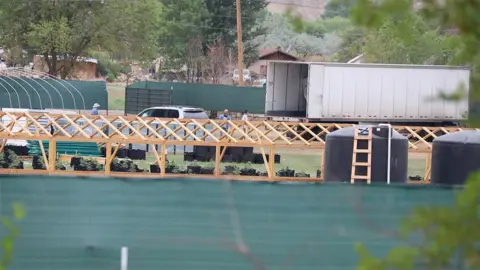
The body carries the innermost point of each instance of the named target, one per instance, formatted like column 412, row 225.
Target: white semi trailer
column 370, row 93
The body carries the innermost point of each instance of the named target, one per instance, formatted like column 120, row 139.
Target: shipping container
column 338, row 92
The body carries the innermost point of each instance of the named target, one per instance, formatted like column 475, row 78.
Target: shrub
column 111, row 77
column 286, row 172
column 232, row 170
column 10, row 160
column 170, row 167
column 88, row 165
column 39, row 164
column 209, row 168
column 248, row 170
column 194, row 168
column 124, row 165
column 302, row 174
column 125, row 69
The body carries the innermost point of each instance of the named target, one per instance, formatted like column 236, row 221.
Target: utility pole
column 239, row 44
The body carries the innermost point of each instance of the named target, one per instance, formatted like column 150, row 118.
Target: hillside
column 308, row 9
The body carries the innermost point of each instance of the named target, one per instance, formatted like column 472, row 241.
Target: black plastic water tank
column 339, row 152
column 454, row 157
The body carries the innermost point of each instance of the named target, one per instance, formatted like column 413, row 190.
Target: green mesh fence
column 88, row 149
column 211, row 97
column 16, row 92
column 75, row 223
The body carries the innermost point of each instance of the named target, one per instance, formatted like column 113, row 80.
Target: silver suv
column 174, row 112
column 179, row 112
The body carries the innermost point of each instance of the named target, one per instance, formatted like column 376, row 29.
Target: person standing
column 95, row 109
column 245, row 118
column 226, row 117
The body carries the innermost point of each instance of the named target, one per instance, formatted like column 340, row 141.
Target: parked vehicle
column 174, row 112
column 246, row 75
column 180, row 112
column 338, row 92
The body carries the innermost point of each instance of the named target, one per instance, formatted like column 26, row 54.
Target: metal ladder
column 364, row 134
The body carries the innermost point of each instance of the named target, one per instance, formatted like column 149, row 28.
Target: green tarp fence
column 29, row 93
column 88, row 149
column 211, row 97
column 78, row 224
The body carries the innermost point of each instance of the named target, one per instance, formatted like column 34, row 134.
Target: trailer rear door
column 314, row 88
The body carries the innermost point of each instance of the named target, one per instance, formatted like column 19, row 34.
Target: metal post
column 239, row 44
column 124, row 259
column 389, row 153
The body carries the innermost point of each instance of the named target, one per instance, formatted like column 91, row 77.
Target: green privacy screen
column 29, row 93
column 78, row 224
column 211, row 97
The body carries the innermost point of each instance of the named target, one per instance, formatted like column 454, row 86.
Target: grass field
column 306, row 161
column 116, row 96
column 302, row 161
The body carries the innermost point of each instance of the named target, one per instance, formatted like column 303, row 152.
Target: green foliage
column 105, row 64
column 407, row 39
column 110, row 76
column 89, row 164
column 223, row 24
column 319, row 27
column 338, row 8
column 10, row 160
column 123, row 165
column 188, row 27
column 12, row 233
column 49, row 34
column 283, row 33
column 58, row 165
column 171, row 167
column 183, row 24
column 351, row 45
column 448, row 235
column 68, row 29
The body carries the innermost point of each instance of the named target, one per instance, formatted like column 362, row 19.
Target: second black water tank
column 454, row 157
column 339, row 152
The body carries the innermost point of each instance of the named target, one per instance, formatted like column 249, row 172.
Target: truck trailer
column 366, row 93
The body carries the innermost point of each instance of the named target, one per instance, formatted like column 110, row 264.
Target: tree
column 282, row 33
column 207, row 21
column 223, row 24
column 216, row 61
column 351, row 44
column 406, row 40
column 182, row 22
column 338, row 8
column 68, row 29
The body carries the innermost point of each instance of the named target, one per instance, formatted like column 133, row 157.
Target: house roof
column 79, row 59
column 356, row 58
column 264, row 53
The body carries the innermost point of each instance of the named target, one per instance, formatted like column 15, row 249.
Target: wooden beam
column 271, row 163
column 114, row 154
column 108, row 157
column 52, row 155
column 44, row 155
column 163, row 159
column 428, row 167
column 2, row 146
column 157, row 156
column 218, row 160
